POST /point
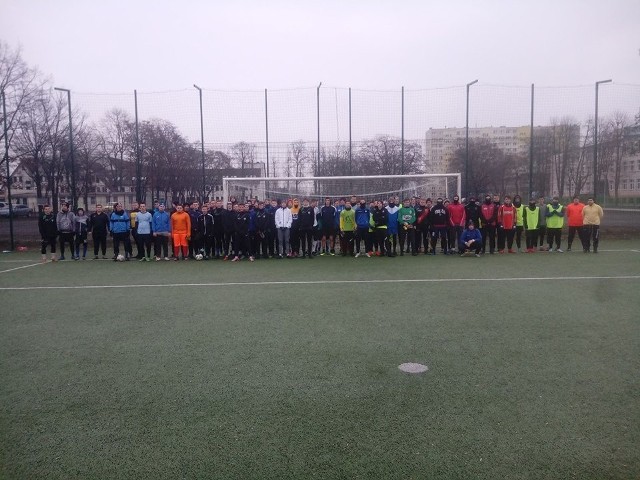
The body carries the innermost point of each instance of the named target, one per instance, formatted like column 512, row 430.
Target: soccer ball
column 120, row 258
column 199, row 256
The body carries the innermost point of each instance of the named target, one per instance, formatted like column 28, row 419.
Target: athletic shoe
column 357, row 254
column 167, row 259
column 368, row 255
column 251, row 259
column 322, row 254
column 511, row 250
column 158, row 259
column 550, row 250
column 568, row 249
column 175, row 259
column 143, row 259
column 104, row 257
column 280, row 256
column 236, row 259
column 53, row 259
column 500, row 251
column 226, row 257
column 477, row 255
column 61, row 258
column 559, row 250
column 95, row 257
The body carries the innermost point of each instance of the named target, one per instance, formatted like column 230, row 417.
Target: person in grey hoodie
column 65, row 220
column 81, row 230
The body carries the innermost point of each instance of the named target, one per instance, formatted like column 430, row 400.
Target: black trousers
column 572, row 234
column 475, row 247
column 161, row 246
column 66, row 237
column 519, row 230
column 505, row 237
column 81, row 239
column 241, row 244
column 227, row 248
column 488, row 237
column 407, row 236
column 99, row 243
column 144, row 244
column 306, row 241
column 441, row 233
column 362, row 235
column 591, row 235
column 125, row 239
column 542, row 235
column 532, row 239
column 381, row 239
column 554, row 234
column 218, row 237
column 348, row 243
column 501, row 237
column 454, row 236
column 48, row 242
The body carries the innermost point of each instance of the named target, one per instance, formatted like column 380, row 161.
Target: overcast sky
column 115, row 46
column 158, row 46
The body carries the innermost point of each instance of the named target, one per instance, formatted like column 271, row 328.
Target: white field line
column 24, row 266
column 322, row 282
column 19, row 261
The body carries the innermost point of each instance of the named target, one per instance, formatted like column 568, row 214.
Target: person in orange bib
column 574, row 219
column 180, row 232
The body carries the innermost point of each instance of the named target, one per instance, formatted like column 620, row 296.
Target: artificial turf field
column 220, row 370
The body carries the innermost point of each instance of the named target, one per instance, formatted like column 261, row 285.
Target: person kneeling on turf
column 470, row 240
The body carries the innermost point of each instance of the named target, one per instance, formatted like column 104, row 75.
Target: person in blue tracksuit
column 363, row 217
column 161, row 227
column 120, row 224
column 470, row 241
column 392, row 226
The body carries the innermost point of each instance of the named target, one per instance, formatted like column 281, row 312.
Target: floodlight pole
column 138, row 161
column 466, row 156
column 350, row 146
column 204, row 190
column 402, row 133
column 318, row 113
column 595, row 143
column 71, row 150
column 531, row 147
column 6, row 159
column 266, row 127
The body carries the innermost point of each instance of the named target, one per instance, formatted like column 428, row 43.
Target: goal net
column 378, row 187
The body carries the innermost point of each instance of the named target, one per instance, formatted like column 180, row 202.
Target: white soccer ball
column 199, row 256
column 120, row 258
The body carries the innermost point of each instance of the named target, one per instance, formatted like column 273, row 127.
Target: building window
column 624, row 184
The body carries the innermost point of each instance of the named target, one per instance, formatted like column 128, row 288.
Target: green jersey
column 347, row 220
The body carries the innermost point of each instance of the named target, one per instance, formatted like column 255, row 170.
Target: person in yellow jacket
column 555, row 222
column 531, row 221
column 591, row 216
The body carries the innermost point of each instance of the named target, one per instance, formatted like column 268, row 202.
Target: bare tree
column 117, row 143
column 244, row 154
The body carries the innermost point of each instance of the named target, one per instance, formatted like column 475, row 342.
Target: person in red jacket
column 507, row 216
column 489, row 219
column 574, row 220
column 457, row 221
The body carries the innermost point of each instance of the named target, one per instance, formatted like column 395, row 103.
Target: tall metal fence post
column 204, row 178
column 138, row 162
column 6, row 159
column 350, row 141
column 595, row 143
column 466, row 155
column 531, row 147
column 318, row 113
column 402, row 133
column 74, row 196
column 266, row 127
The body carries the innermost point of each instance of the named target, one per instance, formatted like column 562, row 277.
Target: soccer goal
column 374, row 187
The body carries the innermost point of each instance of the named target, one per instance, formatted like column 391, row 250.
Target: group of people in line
column 291, row 228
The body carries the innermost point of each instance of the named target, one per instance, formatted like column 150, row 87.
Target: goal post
column 363, row 186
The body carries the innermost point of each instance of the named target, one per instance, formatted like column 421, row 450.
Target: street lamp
column 595, row 143
column 202, row 144
column 466, row 156
column 73, row 161
column 318, row 112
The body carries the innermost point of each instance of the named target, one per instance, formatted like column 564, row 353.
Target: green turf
column 527, row 379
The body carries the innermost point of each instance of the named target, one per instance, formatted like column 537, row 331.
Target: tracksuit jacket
column 161, row 222
column 363, row 217
column 392, row 220
column 120, row 222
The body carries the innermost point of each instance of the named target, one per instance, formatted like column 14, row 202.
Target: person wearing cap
column 65, row 221
column 592, row 216
column 470, row 241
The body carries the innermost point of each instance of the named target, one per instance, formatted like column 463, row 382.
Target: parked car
column 17, row 210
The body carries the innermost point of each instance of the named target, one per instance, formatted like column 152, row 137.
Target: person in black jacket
column 241, row 235
column 99, row 228
column 228, row 224
column 206, row 231
column 306, row 221
column 48, row 228
column 472, row 211
column 380, row 218
column 262, row 227
column 439, row 221
column 218, row 228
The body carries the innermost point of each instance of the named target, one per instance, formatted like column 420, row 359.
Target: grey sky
column 157, row 45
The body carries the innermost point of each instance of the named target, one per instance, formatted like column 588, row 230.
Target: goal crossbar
column 257, row 180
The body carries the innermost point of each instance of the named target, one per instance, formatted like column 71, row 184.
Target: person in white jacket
column 283, row 221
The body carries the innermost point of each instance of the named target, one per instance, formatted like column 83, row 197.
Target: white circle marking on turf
column 413, row 367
